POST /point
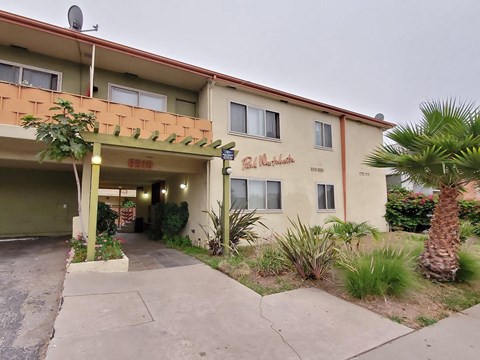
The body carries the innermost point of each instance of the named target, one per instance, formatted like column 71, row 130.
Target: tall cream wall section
column 366, row 186
column 299, row 196
column 196, row 196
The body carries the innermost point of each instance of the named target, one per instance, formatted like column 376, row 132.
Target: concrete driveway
column 194, row 312
column 31, row 282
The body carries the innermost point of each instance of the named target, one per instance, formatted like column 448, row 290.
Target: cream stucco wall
column 366, row 186
column 196, row 196
column 299, row 196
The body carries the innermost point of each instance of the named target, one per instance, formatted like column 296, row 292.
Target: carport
column 102, row 143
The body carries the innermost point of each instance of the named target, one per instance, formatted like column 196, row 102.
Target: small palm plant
column 349, row 231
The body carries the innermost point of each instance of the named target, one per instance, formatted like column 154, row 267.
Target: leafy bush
column 408, row 211
column 175, row 218
column 469, row 267
column 168, row 220
column 270, row 261
column 312, row 255
column 128, row 204
column 412, row 212
column 177, row 241
column 107, row 247
column 380, row 273
column 242, row 224
column 106, row 219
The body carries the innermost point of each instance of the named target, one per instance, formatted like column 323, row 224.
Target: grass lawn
column 423, row 304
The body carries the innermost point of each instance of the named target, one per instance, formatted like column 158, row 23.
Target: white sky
column 368, row 56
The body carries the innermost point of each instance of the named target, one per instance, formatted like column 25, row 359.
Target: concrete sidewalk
column 456, row 337
column 194, row 312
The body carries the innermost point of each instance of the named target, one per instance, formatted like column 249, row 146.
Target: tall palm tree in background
column 442, row 151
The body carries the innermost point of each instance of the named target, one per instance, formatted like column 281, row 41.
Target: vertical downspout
column 92, row 72
column 343, row 120
column 210, row 85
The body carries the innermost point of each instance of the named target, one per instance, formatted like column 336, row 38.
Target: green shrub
column 242, row 225
column 465, row 230
column 380, row 273
column 408, row 211
column 469, row 267
column 107, row 247
column 412, row 212
column 106, row 219
column 177, row 241
column 270, row 261
column 168, row 220
column 312, row 255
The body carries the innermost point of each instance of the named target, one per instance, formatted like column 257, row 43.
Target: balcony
column 17, row 101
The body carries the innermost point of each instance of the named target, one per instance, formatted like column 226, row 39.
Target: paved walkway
column 195, row 312
column 31, row 281
column 145, row 254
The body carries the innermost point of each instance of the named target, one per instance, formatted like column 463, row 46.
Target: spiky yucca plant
column 311, row 254
column 442, row 151
column 242, row 224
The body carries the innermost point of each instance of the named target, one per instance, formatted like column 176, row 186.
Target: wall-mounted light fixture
column 96, row 160
column 183, row 185
column 227, row 171
column 164, row 191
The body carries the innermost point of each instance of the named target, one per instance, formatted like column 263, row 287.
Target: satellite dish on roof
column 379, row 116
column 75, row 18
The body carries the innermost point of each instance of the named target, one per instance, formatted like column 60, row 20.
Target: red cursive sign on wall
column 140, row 164
column 249, row 162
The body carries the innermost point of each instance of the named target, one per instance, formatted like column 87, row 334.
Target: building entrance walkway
column 145, row 254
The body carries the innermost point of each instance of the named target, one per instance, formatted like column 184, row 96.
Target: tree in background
column 62, row 137
column 442, row 151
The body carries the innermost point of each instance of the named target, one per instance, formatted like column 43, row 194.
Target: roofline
column 72, row 34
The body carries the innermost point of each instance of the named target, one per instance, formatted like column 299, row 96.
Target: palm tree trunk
column 79, row 200
column 439, row 260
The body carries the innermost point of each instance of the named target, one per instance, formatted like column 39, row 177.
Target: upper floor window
column 254, row 121
column 139, row 98
column 256, row 194
column 323, row 135
column 325, row 197
column 30, row 76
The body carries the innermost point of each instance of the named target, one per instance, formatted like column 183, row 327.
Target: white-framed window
column 254, row 121
column 323, row 135
column 254, row 194
column 135, row 97
column 30, row 76
column 325, row 197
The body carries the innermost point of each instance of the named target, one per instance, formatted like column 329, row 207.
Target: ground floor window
column 256, row 194
column 325, row 197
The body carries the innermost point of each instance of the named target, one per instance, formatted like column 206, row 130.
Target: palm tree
column 347, row 231
column 442, row 151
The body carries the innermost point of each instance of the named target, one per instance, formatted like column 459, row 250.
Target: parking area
column 32, row 273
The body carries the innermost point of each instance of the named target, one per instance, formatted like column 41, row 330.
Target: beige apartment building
column 296, row 156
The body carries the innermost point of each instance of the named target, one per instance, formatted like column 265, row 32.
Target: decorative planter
column 117, row 265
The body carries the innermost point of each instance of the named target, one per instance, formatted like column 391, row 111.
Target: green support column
column 92, row 217
column 226, row 207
